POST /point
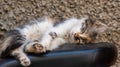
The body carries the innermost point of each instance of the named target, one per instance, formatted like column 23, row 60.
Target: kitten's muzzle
column 82, row 38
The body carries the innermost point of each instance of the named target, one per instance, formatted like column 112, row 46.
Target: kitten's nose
column 75, row 34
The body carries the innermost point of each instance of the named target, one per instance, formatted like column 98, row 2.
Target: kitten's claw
column 25, row 61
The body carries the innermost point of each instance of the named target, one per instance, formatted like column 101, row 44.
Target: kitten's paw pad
column 53, row 34
column 25, row 61
column 39, row 48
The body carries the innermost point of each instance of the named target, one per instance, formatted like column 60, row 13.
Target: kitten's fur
column 42, row 36
column 17, row 39
column 67, row 32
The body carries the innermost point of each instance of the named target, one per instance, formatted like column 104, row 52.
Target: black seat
column 70, row 55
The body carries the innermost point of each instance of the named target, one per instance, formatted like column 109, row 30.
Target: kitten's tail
column 4, row 45
column 12, row 40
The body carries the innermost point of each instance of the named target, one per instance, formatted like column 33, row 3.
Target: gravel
column 17, row 12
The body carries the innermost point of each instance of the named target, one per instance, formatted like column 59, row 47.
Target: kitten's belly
column 33, row 36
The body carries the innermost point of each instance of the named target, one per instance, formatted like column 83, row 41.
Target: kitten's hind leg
column 21, row 57
column 34, row 47
column 39, row 47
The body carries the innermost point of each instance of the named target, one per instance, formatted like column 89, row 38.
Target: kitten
column 59, row 31
column 17, row 39
column 70, row 31
column 41, row 36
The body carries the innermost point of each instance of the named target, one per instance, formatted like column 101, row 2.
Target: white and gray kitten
column 17, row 39
column 44, row 36
column 56, row 36
column 73, row 30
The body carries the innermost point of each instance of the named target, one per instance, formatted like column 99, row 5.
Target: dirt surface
column 17, row 12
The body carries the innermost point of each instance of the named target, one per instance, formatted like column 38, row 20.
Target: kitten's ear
column 97, row 28
column 90, row 21
column 92, row 27
column 87, row 25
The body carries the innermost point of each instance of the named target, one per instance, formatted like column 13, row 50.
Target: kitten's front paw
column 53, row 35
column 39, row 48
column 25, row 61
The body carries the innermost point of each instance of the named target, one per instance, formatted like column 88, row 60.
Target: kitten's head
column 93, row 28
column 87, row 31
